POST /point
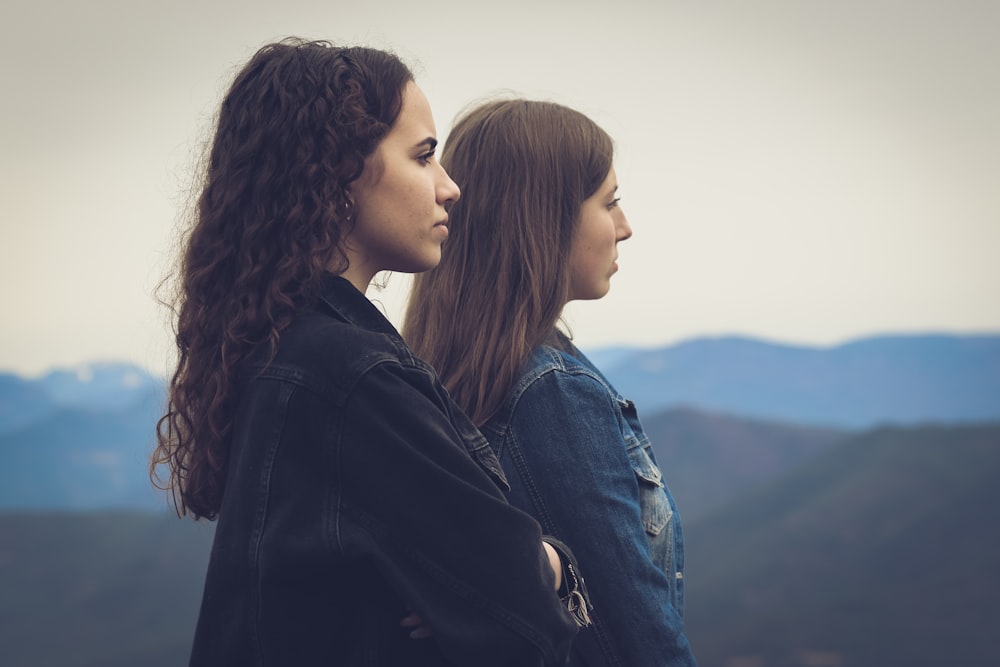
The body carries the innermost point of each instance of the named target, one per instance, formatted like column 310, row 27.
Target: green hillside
column 883, row 551
column 709, row 459
column 877, row 552
column 99, row 590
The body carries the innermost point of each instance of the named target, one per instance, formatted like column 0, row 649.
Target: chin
column 426, row 266
column 590, row 292
column 590, row 296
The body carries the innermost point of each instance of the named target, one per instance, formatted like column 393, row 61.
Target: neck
column 360, row 279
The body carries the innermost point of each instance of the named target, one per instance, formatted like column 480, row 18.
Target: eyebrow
column 430, row 142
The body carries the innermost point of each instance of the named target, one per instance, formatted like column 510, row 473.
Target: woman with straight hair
column 537, row 227
column 357, row 506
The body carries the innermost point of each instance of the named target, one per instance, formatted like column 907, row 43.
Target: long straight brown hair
column 525, row 167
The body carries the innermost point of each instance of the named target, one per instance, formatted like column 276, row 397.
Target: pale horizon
column 801, row 173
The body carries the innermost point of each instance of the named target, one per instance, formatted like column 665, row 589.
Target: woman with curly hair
column 357, row 506
column 538, row 226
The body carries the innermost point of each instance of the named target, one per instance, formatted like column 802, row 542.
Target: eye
column 613, row 204
column 427, row 157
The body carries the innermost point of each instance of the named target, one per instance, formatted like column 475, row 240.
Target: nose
column 622, row 227
column 447, row 190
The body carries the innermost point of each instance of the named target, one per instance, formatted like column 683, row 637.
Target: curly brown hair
column 292, row 134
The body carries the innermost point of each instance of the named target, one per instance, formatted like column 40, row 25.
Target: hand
column 419, row 630
column 554, row 562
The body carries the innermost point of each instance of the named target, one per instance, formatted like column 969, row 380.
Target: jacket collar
column 353, row 307
column 350, row 305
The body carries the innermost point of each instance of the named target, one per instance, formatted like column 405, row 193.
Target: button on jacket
column 356, row 492
column 578, row 461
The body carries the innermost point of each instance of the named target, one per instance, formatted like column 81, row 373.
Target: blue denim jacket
column 577, row 460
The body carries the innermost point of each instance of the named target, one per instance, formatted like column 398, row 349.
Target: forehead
column 415, row 122
column 608, row 186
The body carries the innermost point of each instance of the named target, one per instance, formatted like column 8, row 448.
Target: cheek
column 588, row 265
column 602, row 233
column 417, row 197
column 597, row 246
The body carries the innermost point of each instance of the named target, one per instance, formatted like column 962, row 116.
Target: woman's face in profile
column 400, row 198
column 594, row 251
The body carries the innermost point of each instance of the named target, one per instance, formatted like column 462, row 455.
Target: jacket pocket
column 656, row 511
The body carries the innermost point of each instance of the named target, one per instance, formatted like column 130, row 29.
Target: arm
column 471, row 566
column 568, row 465
column 420, row 631
column 555, row 563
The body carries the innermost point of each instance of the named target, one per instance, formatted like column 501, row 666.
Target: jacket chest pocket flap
column 656, row 511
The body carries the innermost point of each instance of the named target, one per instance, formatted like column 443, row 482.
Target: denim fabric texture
column 577, row 459
column 356, row 492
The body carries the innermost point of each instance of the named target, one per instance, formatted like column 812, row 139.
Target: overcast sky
column 801, row 171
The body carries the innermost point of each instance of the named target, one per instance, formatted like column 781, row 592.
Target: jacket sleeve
column 568, row 465
column 440, row 531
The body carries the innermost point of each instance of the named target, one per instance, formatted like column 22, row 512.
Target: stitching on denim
column 260, row 516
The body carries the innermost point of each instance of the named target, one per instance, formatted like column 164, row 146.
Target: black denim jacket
column 358, row 491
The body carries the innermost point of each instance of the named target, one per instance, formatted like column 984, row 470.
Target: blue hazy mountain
column 104, row 386
column 22, row 402
column 807, row 544
column 99, row 387
column 887, row 379
column 80, row 438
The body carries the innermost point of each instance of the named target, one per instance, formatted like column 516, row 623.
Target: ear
column 350, row 208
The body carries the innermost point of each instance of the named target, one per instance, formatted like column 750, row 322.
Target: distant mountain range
column 865, row 383
column 817, row 535
column 98, row 387
column 80, row 438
